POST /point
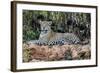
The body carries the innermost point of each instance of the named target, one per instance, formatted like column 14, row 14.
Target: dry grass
column 35, row 53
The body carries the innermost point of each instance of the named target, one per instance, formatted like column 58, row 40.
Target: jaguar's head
column 45, row 26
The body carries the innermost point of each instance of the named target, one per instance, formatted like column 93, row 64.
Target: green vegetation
column 62, row 22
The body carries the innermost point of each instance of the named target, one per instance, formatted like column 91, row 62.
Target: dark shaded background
column 72, row 22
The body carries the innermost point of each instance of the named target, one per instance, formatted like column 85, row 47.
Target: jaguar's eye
column 43, row 27
column 45, row 31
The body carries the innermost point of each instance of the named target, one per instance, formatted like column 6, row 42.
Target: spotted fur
column 49, row 37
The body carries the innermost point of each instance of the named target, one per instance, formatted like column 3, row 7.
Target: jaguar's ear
column 50, row 22
column 40, row 22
